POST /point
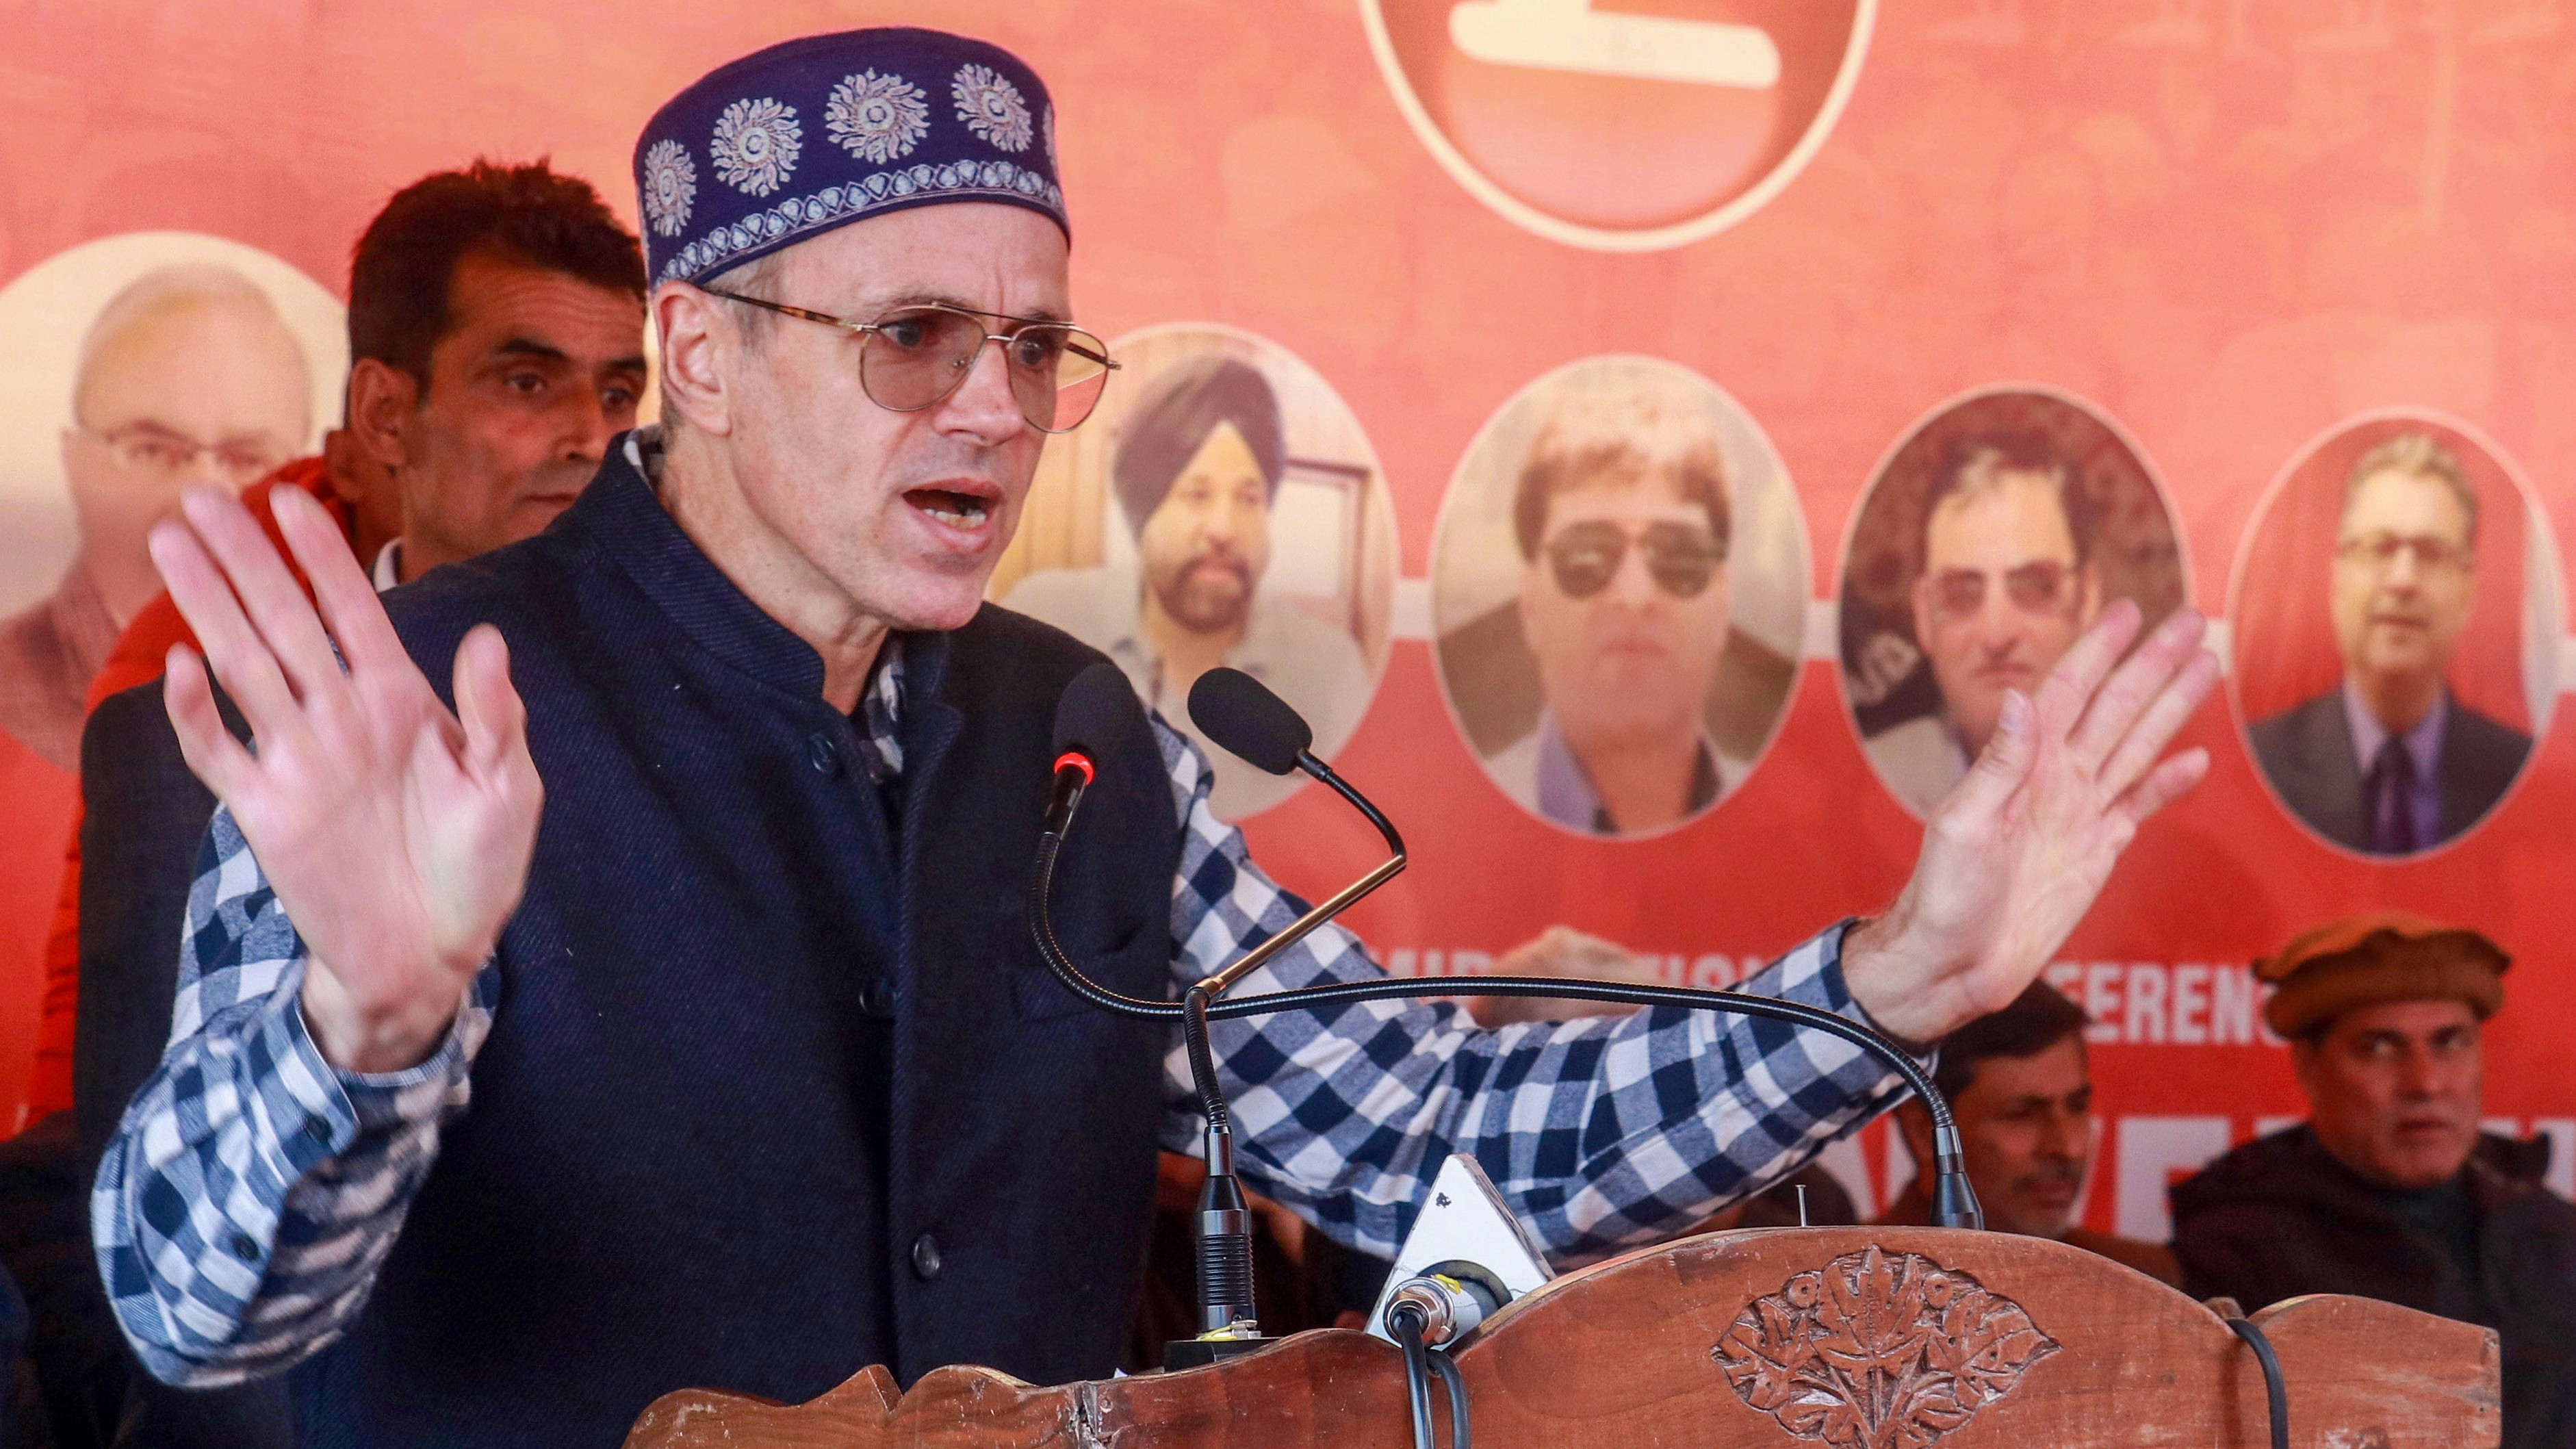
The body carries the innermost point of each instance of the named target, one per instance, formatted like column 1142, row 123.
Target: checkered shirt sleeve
column 1602, row 1132
column 253, row 1189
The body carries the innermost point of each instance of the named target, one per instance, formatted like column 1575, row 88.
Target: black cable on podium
column 1097, row 714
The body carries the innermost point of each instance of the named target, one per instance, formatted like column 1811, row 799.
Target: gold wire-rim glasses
column 1074, row 343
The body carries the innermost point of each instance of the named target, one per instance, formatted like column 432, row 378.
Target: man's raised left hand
column 2018, row 852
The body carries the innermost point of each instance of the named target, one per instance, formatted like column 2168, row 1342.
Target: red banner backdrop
column 2231, row 230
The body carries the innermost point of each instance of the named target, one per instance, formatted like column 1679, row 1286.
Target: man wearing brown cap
column 2389, row 1190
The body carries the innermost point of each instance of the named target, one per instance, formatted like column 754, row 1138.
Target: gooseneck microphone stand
column 1248, row 720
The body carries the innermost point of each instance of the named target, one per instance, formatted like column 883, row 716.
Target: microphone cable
column 1196, row 1009
column 1421, row 1364
column 2276, row 1393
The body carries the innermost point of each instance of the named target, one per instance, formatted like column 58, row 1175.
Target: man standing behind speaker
column 496, row 336
column 666, row 1013
column 2390, row 762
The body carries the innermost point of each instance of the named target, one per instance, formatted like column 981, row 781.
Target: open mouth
column 947, row 505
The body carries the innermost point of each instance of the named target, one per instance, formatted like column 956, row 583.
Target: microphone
column 1245, row 719
column 1094, row 718
column 1242, row 716
column 1097, row 713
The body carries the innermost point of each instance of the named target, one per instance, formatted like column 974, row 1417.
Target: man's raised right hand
column 396, row 834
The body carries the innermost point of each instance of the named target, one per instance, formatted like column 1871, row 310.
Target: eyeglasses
column 912, row 358
column 155, row 451
column 2378, row 552
column 2042, row 587
column 1680, row 558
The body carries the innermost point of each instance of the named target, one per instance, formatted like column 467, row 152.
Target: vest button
column 880, row 1001
column 823, row 757
column 925, row 1257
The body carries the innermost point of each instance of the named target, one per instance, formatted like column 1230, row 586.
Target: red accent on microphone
column 1079, row 761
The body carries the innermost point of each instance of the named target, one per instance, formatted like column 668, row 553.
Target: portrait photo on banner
column 1992, row 534
column 1222, row 508
column 1618, row 594
column 132, row 367
column 2396, row 610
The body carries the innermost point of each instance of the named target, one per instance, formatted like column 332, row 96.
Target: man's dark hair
column 531, row 215
column 1974, row 463
column 1622, row 429
column 2038, row 1019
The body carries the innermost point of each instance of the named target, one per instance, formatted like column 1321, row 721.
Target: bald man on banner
column 663, row 1011
column 187, row 377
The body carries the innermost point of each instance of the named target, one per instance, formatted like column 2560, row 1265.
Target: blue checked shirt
column 254, row 1189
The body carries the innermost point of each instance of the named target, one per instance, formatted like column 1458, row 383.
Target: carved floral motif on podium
column 1879, row 1351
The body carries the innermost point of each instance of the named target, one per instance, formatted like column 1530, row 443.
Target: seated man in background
column 2022, row 1091
column 2389, row 1190
column 496, row 323
column 2008, row 581
column 2388, row 762
column 1622, row 518
column 1196, row 473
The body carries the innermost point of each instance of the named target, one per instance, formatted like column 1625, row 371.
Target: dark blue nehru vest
column 778, row 1086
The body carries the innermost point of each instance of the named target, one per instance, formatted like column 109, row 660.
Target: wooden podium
column 1850, row 1338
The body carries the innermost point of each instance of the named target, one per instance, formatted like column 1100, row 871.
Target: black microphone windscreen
column 1098, row 713
column 1244, row 718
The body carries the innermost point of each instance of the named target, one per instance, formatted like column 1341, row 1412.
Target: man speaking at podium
column 734, row 1064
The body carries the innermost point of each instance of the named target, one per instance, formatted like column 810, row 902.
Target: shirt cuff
column 1851, row 1007
column 1812, row 975
column 345, row 1105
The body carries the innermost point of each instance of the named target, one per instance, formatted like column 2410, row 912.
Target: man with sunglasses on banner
column 2389, row 762
column 1622, row 519
column 666, row 1013
column 2007, row 584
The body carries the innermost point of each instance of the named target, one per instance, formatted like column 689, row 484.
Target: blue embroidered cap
column 810, row 134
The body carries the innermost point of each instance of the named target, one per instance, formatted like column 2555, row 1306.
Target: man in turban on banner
column 655, row 1005
column 2390, row 1189
column 1196, row 475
